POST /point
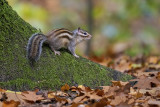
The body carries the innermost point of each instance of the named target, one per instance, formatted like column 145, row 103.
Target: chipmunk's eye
column 85, row 33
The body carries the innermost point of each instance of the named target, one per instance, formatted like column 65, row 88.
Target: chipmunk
column 56, row 39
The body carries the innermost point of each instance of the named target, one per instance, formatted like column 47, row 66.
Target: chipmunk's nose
column 90, row 35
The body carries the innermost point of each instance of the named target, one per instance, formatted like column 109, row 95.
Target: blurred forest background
column 118, row 26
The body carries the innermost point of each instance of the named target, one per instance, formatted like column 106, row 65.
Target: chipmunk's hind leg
column 55, row 51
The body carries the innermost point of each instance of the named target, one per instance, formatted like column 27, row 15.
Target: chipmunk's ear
column 79, row 29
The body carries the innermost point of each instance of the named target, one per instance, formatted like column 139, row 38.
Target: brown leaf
column 60, row 93
column 135, row 93
column 76, row 91
column 154, row 103
column 11, row 95
column 152, row 92
column 78, row 99
column 153, row 59
column 61, row 100
column 101, row 103
column 154, row 66
column 2, row 90
column 130, row 101
column 125, row 105
column 51, row 95
column 105, row 88
column 93, row 96
column 138, row 95
column 119, row 83
column 140, row 101
column 78, row 105
column 117, row 100
column 11, row 103
column 123, row 64
column 141, row 73
column 31, row 96
column 99, row 92
column 146, row 82
column 3, row 97
column 87, row 89
column 73, row 88
column 111, row 92
column 158, row 76
column 82, row 87
column 65, row 87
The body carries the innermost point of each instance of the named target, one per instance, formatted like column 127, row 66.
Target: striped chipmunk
column 56, row 39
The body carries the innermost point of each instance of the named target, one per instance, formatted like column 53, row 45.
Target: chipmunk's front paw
column 76, row 56
column 57, row 52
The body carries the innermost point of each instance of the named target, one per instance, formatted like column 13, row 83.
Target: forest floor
column 144, row 91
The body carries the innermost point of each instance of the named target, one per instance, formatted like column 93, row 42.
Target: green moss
column 51, row 71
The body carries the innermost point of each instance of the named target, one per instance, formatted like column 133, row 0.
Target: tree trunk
column 51, row 71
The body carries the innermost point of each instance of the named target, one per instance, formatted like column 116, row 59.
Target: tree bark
column 51, row 71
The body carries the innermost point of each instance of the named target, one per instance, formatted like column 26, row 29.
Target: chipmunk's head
column 85, row 35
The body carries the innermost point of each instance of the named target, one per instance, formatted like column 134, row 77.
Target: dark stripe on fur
column 58, row 31
column 53, row 31
column 63, row 31
column 65, row 36
column 34, row 46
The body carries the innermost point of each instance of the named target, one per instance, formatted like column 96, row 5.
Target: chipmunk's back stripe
column 58, row 32
column 65, row 36
column 59, row 29
column 62, row 33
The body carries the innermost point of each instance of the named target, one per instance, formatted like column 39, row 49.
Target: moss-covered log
column 50, row 71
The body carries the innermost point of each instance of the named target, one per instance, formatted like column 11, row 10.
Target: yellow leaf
column 65, row 87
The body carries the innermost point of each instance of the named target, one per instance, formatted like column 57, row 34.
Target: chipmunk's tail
column 34, row 46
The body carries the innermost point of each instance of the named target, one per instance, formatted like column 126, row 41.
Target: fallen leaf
column 101, row 103
column 153, row 59
column 51, row 95
column 140, row 101
column 99, row 92
column 77, row 105
column 157, row 66
column 3, row 97
column 130, row 101
column 146, row 82
column 31, row 96
column 61, row 100
column 88, row 89
column 135, row 93
column 11, row 103
column 65, row 87
column 123, row 64
column 119, row 83
column 135, row 66
column 154, row 103
column 2, row 90
column 158, row 76
column 105, row 88
column 13, row 92
column 78, row 99
column 117, row 100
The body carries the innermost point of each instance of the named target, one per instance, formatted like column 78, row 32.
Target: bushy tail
column 34, row 46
